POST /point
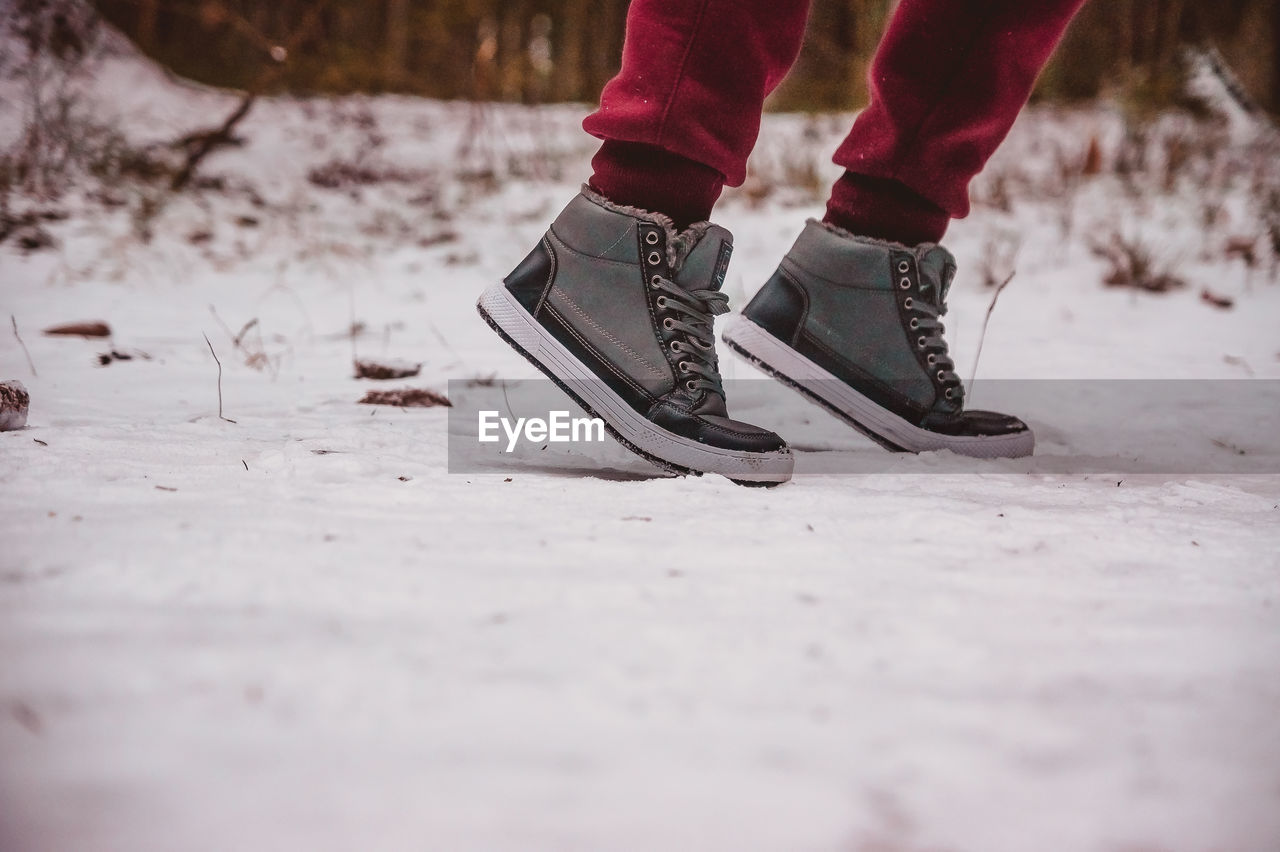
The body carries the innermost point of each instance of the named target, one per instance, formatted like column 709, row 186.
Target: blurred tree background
column 538, row 51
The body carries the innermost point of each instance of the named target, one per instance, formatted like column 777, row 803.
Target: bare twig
column 18, row 337
column 200, row 145
column 254, row 352
column 440, row 337
column 218, row 319
column 982, row 336
column 219, row 363
column 237, row 339
column 249, row 326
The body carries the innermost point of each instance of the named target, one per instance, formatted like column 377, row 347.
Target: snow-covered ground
column 297, row 630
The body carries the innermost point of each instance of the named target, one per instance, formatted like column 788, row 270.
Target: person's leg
column 618, row 301
column 681, row 117
column 852, row 315
column 947, row 82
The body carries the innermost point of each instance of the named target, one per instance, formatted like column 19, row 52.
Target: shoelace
column 931, row 340
column 697, row 310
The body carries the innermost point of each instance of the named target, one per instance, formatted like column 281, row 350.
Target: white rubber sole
column 819, row 385
column 668, row 450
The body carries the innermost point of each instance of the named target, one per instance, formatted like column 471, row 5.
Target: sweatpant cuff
column 654, row 179
column 884, row 210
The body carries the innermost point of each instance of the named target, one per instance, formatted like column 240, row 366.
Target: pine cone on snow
column 14, row 402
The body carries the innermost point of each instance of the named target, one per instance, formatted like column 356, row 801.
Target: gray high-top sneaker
column 853, row 324
column 617, row 308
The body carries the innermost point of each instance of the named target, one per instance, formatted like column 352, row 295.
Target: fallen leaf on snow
column 79, row 329
column 1214, row 299
column 406, row 398
column 106, row 358
column 383, row 370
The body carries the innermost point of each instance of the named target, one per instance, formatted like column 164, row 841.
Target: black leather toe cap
column 973, row 424
column 716, row 431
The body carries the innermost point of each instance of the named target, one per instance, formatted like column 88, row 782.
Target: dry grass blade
column 14, row 321
column 219, row 363
column 982, row 336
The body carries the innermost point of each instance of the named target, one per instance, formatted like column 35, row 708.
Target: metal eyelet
column 676, row 347
column 684, row 366
column 691, row 385
column 654, row 258
column 948, row 393
column 941, row 375
column 651, row 238
column 661, row 302
column 915, row 323
column 667, row 323
column 933, row 359
column 908, row 302
column 920, row 342
column 905, row 283
column 655, row 281
column 903, row 266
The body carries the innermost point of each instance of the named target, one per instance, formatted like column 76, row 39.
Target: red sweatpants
column 947, row 83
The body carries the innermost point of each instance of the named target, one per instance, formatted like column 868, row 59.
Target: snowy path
column 314, row 655
column 298, row 631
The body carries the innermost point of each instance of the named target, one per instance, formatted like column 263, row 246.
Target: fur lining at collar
column 679, row 243
column 841, row 232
